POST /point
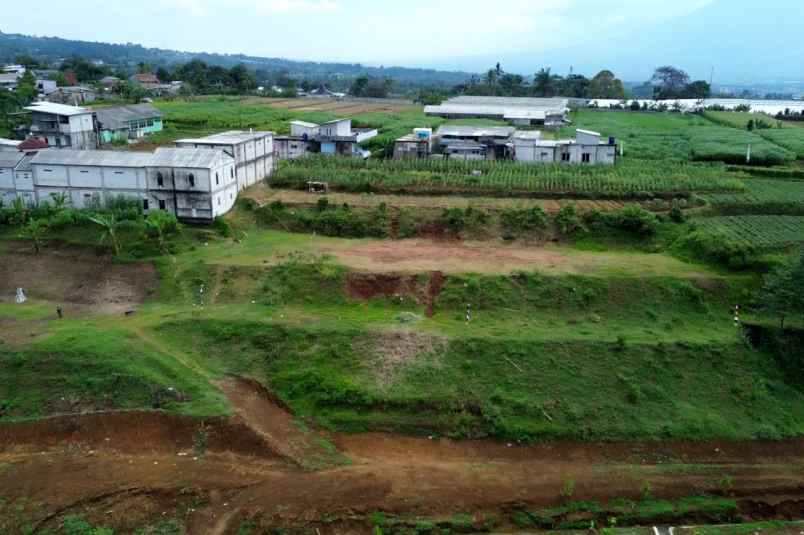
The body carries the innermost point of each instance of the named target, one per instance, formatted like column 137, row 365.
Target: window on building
column 84, row 171
column 565, row 156
column 219, row 201
column 231, row 172
column 64, row 119
column 586, row 157
column 191, row 179
column 160, row 179
column 162, row 204
column 217, row 180
column 145, row 204
column 58, row 142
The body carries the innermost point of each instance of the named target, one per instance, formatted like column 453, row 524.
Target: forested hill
column 53, row 49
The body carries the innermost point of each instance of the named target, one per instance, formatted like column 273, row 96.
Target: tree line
column 667, row 82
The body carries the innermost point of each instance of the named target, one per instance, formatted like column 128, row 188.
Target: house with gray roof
column 128, row 123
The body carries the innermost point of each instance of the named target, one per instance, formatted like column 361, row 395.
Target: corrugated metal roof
column 188, row 158
column 588, row 132
column 107, row 158
column 525, row 114
column 511, row 102
column 9, row 142
column 336, row 121
column 232, row 137
column 527, row 134
column 57, row 109
column 10, row 159
column 305, row 124
column 115, row 118
column 476, row 131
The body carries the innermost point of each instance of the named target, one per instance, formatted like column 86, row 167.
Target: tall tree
column 26, row 89
column 544, row 83
column 606, row 85
column 670, row 82
column 699, row 89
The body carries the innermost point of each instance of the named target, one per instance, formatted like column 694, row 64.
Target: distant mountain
column 53, row 49
column 744, row 40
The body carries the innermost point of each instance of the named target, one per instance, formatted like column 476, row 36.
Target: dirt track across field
column 124, row 469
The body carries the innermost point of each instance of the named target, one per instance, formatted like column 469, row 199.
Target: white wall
column 7, row 178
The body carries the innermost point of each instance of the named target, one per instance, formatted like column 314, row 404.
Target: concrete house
column 9, row 144
column 418, row 144
column 586, row 149
column 339, row 138
column 63, row 126
column 194, row 184
column 72, row 95
column 46, row 87
column 253, row 153
column 146, row 80
column 128, row 123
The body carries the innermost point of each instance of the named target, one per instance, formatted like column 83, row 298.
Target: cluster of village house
column 199, row 179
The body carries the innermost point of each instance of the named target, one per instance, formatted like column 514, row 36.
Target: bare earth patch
column 79, row 278
column 415, row 256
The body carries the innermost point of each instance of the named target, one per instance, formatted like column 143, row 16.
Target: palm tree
column 543, row 83
column 110, row 226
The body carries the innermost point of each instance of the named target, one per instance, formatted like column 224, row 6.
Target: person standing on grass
column 468, row 313
column 60, row 311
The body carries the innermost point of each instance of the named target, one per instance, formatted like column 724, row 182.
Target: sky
column 459, row 34
column 371, row 31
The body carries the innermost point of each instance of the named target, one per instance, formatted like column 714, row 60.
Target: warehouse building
column 520, row 111
column 253, row 153
column 195, row 184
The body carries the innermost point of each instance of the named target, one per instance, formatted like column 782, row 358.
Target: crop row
column 628, row 179
column 760, row 231
column 762, row 197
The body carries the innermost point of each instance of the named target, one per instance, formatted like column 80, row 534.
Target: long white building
column 194, row 184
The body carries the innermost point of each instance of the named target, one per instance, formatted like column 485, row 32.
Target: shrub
column 719, row 247
column 223, row 227
column 528, row 220
column 635, row 219
column 568, row 221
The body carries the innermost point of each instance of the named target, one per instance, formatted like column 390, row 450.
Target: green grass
column 664, row 136
column 629, row 179
column 760, row 231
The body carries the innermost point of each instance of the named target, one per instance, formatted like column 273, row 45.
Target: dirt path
column 286, row 435
column 111, row 476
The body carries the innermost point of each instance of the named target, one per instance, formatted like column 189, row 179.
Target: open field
column 784, row 134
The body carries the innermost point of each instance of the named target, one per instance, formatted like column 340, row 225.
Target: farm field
column 787, row 136
column 762, row 196
column 668, row 135
column 262, row 194
column 630, row 179
column 762, row 231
